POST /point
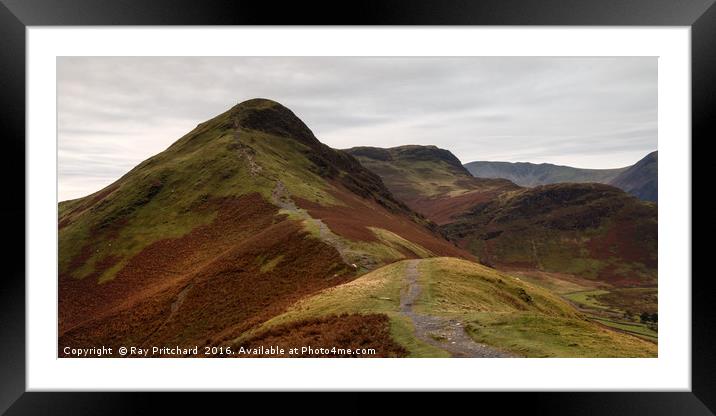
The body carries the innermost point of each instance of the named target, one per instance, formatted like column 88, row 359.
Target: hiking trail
column 444, row 333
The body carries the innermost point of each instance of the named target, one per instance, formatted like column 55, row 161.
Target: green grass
column 633, row 299
column 626, row 302
column 403, row 332
column 493, row 306
column 163, row 196
column 631, row 327
column 267, row 266
column 168, row 195
column 558, row 283
column 588, row 230
column 452, row 287
column 588, row 299
column 534, row 335
column 497, row 309
column 389, row 247
column 608, row 306
column 375, row 292
column 417, row 177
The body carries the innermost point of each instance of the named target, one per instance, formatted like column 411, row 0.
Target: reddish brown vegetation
column 352, row 220
column 345, row 331
column 444, row 209
column 203, row 288
column 629, row 241
column 551, row 226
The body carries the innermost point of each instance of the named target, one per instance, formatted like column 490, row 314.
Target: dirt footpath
column 446, row 334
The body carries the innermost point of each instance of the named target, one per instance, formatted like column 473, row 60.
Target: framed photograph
column 408, row 197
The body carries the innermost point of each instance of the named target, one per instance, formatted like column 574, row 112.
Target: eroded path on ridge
column 444, row 333
column 282, row 198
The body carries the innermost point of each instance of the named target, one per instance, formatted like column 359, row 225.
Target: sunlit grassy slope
column 496, row 308
column 420, row 171
column 161, row 197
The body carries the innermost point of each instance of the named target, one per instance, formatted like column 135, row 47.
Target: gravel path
column 282, row 198
column 247, row 153
column 446, row 334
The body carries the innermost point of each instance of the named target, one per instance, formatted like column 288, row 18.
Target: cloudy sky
column 583, row 112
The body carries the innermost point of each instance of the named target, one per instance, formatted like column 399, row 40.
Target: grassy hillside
column 248, row 193
column 437, row 171
column 430, row 180
column 589, row 230
column 533, row 174
column 495, row 308
column 249, row 231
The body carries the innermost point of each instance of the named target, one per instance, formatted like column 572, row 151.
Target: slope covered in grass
column 589, row 230
column 532, row 322
column 496, row 309
column 248, row 149
column 430, row 180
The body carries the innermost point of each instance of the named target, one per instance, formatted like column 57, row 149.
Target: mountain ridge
column 149, row 258
column 250, row 220
column 639, row 179
column 419, row 175
column 534, row 174
column 512, row 226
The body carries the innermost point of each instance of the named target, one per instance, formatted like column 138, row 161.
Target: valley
column 592, row 244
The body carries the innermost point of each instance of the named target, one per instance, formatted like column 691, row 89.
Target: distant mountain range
column 639, row 179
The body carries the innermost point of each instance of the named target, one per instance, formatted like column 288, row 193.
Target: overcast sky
column 585, row 112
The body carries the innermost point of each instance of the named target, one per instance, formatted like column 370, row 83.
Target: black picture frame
column 16, row 15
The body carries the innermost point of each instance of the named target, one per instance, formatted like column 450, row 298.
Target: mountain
column 532, row 174
column 592, row 244
column 232, row 223
column 641, row 180
column 593, row 231
column 249, row 232
column 430, row 180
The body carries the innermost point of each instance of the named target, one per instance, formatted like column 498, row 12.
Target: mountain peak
column 271, row 117
column 257, row 102
column 427, row 153
column 641, row 179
